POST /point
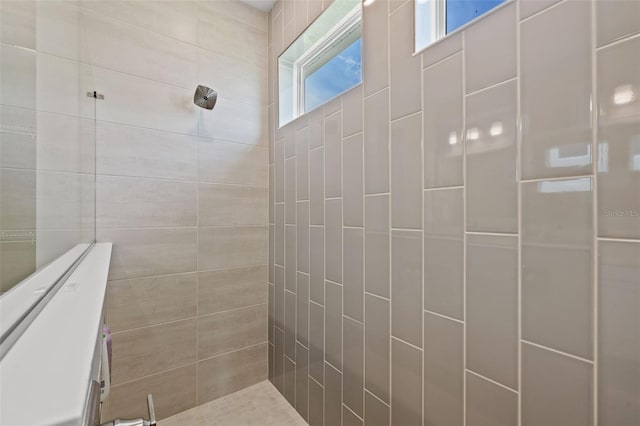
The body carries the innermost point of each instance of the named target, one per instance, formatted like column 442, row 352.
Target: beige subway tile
column 406, row 384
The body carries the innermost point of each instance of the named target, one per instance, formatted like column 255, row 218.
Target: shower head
column 205, row 97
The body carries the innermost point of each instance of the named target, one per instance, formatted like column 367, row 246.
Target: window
column 436, row 18
column 323, row 62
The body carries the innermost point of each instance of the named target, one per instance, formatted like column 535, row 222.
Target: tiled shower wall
column 457, row 240
column 182, row 193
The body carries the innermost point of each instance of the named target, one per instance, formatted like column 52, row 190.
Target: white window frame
column 324, row 46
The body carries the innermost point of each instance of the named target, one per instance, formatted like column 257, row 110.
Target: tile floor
column 257, row 405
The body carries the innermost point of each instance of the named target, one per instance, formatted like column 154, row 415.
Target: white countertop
column 45, row 377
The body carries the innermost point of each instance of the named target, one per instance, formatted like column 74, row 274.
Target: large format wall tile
column 230, row 247
column 231, row 205
column 228, row 162
column 231, row 330
column 145, row 351
column 231, row 372
column 618, row 145
column 557, row 229
column 442, row 131
column 616, row 20
column 492, row 307
column 124, row 202
column 555, row 389
column 231, row 288
column 618, row 331
column 555, row 101
column 139, row 302
column 150, row 252
column 491, row 179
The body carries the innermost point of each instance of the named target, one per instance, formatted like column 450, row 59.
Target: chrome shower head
column 205, row 97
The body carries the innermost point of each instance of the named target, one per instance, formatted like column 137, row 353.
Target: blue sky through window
column 339, row 74
column 459, row 12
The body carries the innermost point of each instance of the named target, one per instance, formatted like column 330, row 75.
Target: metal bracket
column 95, row 95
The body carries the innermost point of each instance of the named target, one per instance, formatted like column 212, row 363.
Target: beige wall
column 456, row 241
column 182, row 193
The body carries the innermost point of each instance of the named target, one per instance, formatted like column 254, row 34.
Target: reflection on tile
column 492, row 307
column 376, row 229
column 443, row 252
column 618, row 145
column 556, row 102
column 557, row 229
column 406, row 384
column 489, row 404
column 618, row 331
column 377, row 335
column 549, row 377
column 491, row 184
column 442, row 130
column 443, row 371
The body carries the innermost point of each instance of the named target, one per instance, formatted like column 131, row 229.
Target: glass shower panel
column 47, row 136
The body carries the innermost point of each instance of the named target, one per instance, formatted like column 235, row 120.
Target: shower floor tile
column 257, row 405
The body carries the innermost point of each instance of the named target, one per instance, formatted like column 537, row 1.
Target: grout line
column 422, row 274
column 595, row 249
column 377, row 397
column 464, row 222
column 444, row 316
column 492, row 86
column 443, row 188
column 377, row 92
column 406, row 343
column 402, row 117
column 618, row 240
column 492, row 381
column 440, row 61
column 156, row 374
column 616, row 42
column 352, row 319
column 540, row 12
column 576, row 357
column 553, row 179
column 495, row 234
column 376, row 296
column 352, row 412
column 519, row 212
column 390, row 214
